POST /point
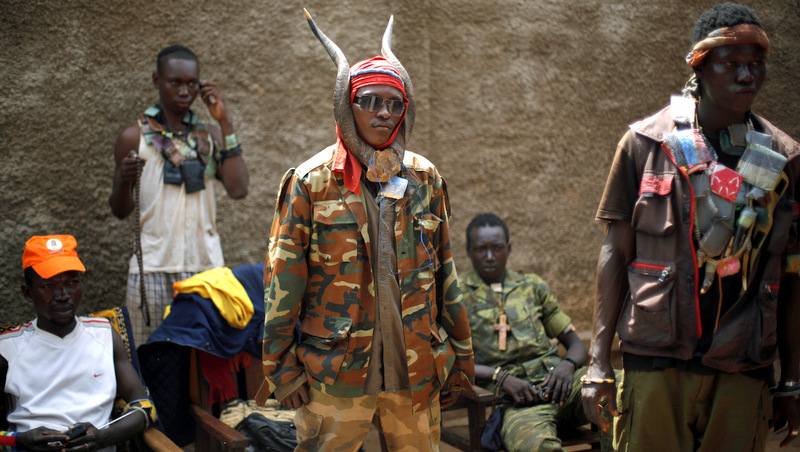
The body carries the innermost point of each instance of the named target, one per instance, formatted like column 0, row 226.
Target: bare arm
column 615, row 255
column 232, row 171
column 121, row 199
column 130, row 388
column 520, row 391
column 612, row 285
column 576, row 351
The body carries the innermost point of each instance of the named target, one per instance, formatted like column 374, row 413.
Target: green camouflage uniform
column 319, row 271
column 534, row 318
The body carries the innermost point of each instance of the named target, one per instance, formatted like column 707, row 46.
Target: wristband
column 146, row 407
column 588, row 381
column 225, row 153
column 496, row 372
column 8, row 441
column 231, row 141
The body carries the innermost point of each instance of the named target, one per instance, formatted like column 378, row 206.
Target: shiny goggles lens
column 375, row 103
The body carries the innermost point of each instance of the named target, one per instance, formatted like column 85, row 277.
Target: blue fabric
column 490, row 438
column 686, row 138
column 195, row 322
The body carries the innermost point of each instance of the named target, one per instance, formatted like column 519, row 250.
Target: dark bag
column 267, row 435
column 490, row 438
column 192, row 171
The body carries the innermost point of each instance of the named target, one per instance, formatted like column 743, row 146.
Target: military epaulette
column 320, row 159
column 284, row 186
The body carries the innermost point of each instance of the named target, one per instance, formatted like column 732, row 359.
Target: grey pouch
column 705, row 208
column 759, row 138
column 710, row 207
column 717, row 238
column 725, row 208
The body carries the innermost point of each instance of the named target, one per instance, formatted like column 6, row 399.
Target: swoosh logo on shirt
column 97, row 375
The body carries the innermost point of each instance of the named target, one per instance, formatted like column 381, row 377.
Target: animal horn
column 386, row 50
column 342, row 109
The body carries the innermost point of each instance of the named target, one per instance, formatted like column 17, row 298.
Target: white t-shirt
column 55, row 382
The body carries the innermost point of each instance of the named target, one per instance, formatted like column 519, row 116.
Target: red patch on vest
column 659, row 185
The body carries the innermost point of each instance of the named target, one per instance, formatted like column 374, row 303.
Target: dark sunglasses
column 375, row 103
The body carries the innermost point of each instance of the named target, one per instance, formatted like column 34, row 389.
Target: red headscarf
column 738, row 34
column 374, row 71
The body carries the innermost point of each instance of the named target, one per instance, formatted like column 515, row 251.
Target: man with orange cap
column 698, row 275
column 359, row 253
column 60, row 371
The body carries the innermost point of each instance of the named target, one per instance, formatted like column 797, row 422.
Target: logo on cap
column 54, row 245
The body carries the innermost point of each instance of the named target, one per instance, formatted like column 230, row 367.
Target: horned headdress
column 384, row 163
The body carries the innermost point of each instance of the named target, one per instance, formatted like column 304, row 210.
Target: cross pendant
column 502, row 327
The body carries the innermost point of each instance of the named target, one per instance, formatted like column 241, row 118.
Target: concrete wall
column 520, row 105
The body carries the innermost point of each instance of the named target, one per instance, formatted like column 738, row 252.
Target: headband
column 738, row 34
column 375, row 71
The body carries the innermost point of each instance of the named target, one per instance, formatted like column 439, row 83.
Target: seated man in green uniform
column 513, row 316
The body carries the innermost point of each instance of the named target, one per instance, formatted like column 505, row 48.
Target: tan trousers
column 341, row 424
column 676, row 411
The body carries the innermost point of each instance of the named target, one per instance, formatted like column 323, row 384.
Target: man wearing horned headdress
column 698, row 274
column 359, row 254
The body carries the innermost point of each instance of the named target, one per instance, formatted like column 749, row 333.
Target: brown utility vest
column 660, row 316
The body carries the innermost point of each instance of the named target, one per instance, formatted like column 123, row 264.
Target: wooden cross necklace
column 501, row 326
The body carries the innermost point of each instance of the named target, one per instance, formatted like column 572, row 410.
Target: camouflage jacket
column 318, row 270
column 533, row 315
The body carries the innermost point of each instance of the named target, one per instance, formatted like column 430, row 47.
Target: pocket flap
column 326, row 327
column 333, row 212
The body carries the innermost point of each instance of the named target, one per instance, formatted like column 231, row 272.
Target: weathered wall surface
column 520, row 105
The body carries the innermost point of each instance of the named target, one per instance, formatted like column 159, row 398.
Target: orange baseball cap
column 50, row 255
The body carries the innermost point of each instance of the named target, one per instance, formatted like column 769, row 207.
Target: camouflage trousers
column 535, row 428
column 328, row 424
